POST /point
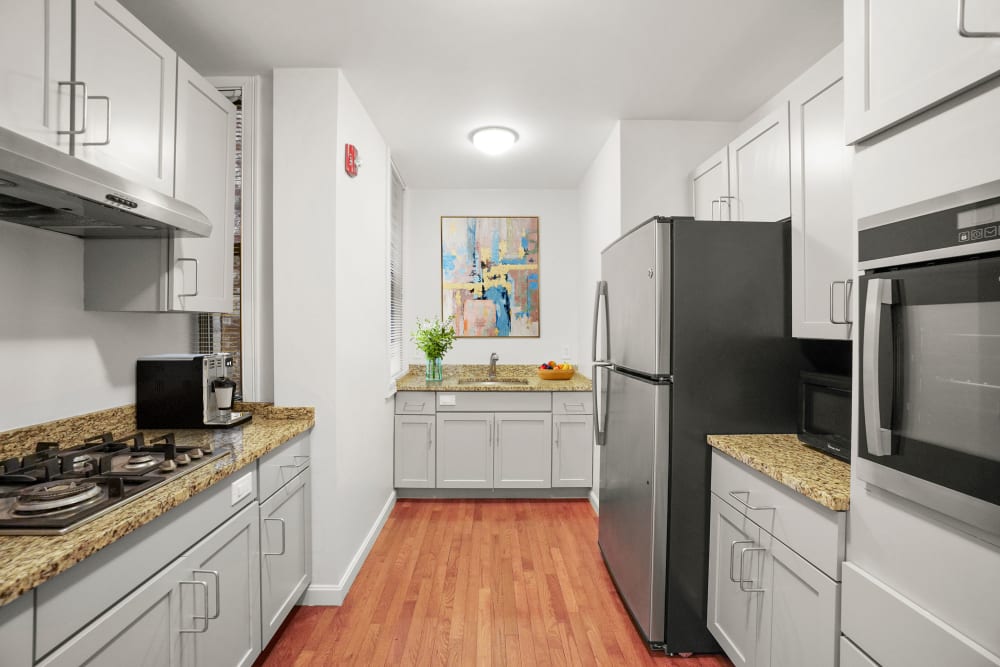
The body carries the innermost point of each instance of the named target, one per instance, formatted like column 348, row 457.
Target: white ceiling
column 560, row 72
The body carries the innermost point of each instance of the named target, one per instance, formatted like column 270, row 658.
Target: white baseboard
column 332, row 595
column 594, row 502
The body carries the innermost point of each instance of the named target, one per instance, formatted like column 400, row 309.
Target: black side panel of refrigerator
column 735, row 369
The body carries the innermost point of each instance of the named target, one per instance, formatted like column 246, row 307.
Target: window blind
column 395, row 274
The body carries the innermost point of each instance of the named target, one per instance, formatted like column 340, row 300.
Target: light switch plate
column 446, row 399
column 242, row 488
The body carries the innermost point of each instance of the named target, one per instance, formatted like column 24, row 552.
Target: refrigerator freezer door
column 636, row 268
column 633, row 519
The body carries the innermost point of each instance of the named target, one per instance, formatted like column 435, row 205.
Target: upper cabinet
column 130, row 76
column 822, row 222
column 904, row 56
column 749, row 178
column 35, row 67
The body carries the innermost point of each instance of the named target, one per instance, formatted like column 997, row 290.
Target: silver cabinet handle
column 195, row 617
column 429, row 440
column 191, row 259
column 732, row 560
column 83, row 116
column 848, row 292
column 556, row 438
column 282, row 552
column 215, row 575
column 743, row 553
column 729, row 205
column 970, row 33
column 107, row 121
column 714, row 202
column 879, row 439
column 833, row 285
column 305, row 460
column 602, row 293
column 747, row 504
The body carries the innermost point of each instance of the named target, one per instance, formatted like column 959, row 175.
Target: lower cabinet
column 286, row 551
column 572, row 450
column 414, row 457
column 522, row 455
column 465, row 450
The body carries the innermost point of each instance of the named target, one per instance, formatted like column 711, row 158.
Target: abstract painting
column 489, row 276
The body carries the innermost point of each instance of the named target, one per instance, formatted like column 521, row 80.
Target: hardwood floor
column 476, row 582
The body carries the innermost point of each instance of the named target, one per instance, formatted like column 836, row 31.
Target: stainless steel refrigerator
column 691, row 337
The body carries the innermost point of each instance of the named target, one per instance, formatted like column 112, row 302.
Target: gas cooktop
column 54, row 491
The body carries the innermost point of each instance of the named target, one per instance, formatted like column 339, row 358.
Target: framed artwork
column 489, row 276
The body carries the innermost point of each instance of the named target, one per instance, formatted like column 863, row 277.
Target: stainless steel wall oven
column 929, row 423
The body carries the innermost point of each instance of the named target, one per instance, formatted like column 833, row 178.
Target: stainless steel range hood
column 46, row 188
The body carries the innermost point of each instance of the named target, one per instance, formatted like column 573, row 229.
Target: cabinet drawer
column 281, row 465
column 494, row 401
column 572, row 403
column 816, row 533
column 415, row 402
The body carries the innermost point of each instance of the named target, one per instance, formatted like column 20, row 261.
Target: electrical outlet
column 565, row 352
column 242, row 488
column 446, row 399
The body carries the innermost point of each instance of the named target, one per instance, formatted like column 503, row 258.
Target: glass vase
column 434, row 371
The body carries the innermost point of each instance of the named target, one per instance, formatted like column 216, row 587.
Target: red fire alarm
column 351, row 163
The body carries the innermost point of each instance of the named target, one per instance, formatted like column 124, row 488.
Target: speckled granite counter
column 414, row 379
column 785, row 459
column 29, row 560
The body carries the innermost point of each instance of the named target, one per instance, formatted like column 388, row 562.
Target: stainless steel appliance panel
column 633, row 526
column 636, row 269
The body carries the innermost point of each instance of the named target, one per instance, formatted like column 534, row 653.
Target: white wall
column 56, row 360
column 657, row 157
column 329, row 312
column 559, row 286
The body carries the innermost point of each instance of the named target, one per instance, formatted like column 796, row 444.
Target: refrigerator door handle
column 600, row 403
column 602, row 292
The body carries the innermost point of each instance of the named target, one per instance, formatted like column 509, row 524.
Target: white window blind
column 394, row 269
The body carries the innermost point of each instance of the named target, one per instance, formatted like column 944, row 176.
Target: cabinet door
column 414, row 445
column 34, row 57
column 286, row 552
column 903, row 56
column 228, row 562
column 802, row 619
column 758, row 170
column 131, row 77
column 572, row 450
column 202, row 268
column 822, row 224
column 143, row 629
column 523, row 451
column 465, row 450
column 733, row 614
column 710, row 187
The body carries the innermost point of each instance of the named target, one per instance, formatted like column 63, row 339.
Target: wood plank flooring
column 476, row 582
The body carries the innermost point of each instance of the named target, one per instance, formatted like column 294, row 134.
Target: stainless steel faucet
column 492, row 375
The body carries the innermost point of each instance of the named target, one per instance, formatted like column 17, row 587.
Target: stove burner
column 56, row 496
column 140, row 461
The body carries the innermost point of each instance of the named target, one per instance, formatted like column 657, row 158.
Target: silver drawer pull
column 215, row 575
column 305, row 460
column 195, row 260
column 732, row 560
column 107, row 122
column 282, row 552
column 83, row 115
column 743, row 553
column 574, row 407
column 418, row 407
column 195, row 617
column 747, row 503
column 970, row 33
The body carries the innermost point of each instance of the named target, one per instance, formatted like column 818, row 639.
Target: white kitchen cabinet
column 465, row 450
column 414, row 451
column 758, row 170
column 286, row 551
column 822, row 221
column 710, row 187
column 17, row 625
column 131, row 79
column 35, row 56
column 227, row 562
column 522, row 450
column 904, row 56
column 734, row 615
column 572, row 450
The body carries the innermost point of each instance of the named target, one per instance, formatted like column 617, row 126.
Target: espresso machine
column 186, row 391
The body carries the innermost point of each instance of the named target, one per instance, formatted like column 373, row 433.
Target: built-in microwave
column 929, row 420
column 825, row 413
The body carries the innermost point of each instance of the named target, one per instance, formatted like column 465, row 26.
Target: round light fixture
column 493, row 140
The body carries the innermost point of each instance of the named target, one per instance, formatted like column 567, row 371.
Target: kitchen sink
column 498, row 381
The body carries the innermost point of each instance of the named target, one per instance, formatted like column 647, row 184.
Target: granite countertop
column 27, row 561
column 414, row 379
column 785, row 459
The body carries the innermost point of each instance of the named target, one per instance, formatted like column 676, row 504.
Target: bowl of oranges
column 550, row 370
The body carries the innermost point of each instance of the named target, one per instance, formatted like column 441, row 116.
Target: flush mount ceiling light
column 493, row 140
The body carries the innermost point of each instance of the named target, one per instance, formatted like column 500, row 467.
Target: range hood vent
column 46, row 188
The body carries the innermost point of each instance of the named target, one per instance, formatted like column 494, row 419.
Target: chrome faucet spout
column 492, row 375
